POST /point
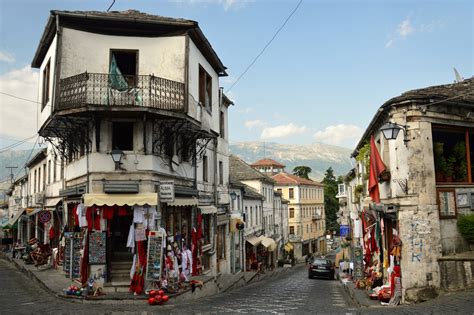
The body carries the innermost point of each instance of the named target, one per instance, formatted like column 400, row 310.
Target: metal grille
column 141, row 90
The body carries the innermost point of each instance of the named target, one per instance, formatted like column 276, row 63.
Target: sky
column 321, row 79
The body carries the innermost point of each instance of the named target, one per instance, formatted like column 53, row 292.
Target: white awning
column 33, row 211
column 15, row 217
column 52, row 202
column 142, row 199
column 183, row 202
column 254, row 240
column 268, row 243
column 208, row 209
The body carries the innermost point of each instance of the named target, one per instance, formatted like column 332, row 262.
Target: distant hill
column 317, row 156
column 12, row 158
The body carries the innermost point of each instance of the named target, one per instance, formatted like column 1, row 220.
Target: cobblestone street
column 291, row 292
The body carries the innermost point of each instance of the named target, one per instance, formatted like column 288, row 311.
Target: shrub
column 466, row 227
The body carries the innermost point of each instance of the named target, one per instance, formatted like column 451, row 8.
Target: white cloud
column 18, row 117
column 226, row 4
column 343, row 135
column 282, row 131
column 6, row 57
column 405, row 28
column 251, row 124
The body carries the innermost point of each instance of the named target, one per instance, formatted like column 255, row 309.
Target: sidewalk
column 359, row 296
column 55, row 282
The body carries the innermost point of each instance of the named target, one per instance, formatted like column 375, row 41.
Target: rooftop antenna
column 459, row 78
column 11, row 172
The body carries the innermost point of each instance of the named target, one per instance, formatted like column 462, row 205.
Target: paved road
column 290, row 292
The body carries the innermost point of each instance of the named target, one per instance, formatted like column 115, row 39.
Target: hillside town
column 135, row 193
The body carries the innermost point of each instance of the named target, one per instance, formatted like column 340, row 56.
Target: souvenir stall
column 381, row 257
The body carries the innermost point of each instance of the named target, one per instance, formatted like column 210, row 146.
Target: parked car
column 321, row 267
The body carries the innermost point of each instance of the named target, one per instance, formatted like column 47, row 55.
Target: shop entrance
column 119, row 228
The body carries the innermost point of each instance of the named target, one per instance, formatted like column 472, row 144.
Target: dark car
column 321, row 267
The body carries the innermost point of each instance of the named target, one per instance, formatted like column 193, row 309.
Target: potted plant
column 384, row 176
column 460, row 163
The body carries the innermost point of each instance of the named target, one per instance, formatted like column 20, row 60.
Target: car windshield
column 319, row 262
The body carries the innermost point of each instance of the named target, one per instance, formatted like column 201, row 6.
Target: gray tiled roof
column 239, row 171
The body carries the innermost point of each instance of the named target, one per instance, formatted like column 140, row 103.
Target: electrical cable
column 11, row 146
column 266, row 46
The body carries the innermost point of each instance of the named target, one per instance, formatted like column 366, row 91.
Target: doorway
column 119, row 228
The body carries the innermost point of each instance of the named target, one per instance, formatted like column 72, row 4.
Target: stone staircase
column 119, row 277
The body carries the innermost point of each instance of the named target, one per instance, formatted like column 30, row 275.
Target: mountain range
column 318, row 156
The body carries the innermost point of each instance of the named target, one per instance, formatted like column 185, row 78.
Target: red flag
column 376, row 167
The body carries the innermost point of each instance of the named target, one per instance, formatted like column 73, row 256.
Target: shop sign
column 44, row 216
column 167, row 191
column 344, row 230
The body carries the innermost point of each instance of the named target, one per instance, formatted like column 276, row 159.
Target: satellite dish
column 459, row 78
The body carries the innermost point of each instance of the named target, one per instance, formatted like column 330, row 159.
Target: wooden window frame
column 46, row 84
column 451, row 190
column 290, row 212
column 466, row 131
column 205, row 171
column 291, row 193
column 205, row 84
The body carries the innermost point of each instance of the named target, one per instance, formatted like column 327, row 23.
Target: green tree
column 302, row 171
column 331, row 204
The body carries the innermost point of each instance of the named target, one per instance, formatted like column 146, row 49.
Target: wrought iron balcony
column 101, row 89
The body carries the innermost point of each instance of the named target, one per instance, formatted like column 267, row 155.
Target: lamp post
column 390, row 131
column 117, row 155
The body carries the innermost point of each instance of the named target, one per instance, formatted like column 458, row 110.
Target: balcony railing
column 101, row 89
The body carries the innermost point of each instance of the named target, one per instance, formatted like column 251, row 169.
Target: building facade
column 417, row 186
column 131, row 107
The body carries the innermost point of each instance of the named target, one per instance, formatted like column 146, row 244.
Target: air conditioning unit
column 39, row 198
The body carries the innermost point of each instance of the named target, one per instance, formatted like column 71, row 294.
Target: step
column 120, row 267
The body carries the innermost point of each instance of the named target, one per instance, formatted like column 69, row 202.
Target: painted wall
column 51, row 57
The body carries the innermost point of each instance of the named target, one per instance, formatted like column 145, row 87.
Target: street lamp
column 390, row 131
column 117, row 158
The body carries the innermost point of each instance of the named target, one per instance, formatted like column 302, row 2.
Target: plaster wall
column 50, row 57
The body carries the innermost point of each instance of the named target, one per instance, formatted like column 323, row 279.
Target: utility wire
column 11, row 146
column 266, row 46
column 110, row 7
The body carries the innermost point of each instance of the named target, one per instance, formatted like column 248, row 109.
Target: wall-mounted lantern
column 390, row 131
column 117, row 158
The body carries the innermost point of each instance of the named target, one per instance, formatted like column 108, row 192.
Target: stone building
column 131, row 103
column 424, row 183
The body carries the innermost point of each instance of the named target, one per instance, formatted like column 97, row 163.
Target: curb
column 349, row 291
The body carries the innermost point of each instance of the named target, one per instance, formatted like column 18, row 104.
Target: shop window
column 292, row 230
column 206, row 229
column 221, row 241
column 205, row 89
column 450, row 147
column 46, row 83
column 204, row 169
column 291, row 193
column 446, row 203
column 122, row 136
column 292, row 212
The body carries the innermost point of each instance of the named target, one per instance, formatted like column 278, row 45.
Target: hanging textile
column 376, row 167
column 137, row 284
column 116, row 79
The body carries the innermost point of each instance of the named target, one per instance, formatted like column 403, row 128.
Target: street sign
column 44, row 216
column 344, row 230
column 167, row 191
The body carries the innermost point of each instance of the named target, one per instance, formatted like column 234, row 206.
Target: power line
column 11, row 146
column 266, row 46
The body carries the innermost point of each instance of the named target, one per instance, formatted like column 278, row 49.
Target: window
column 126, row 62
column 55, row 165
column 44, row 176
column 221, row 241
column 205, row 89
column 279, row 191
column 291, row 193
column 49, row 172
column 34, row 183
column 221, row 173
column 45, row 89
column 62, row 168
column 298, row 230
column 292, row 229
column 222, row 124
column 122, row 136
column 246, row 216
column 292, row 212
column 446, row 203
column 307, row 228
column 204, row 168
column 450, row 147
